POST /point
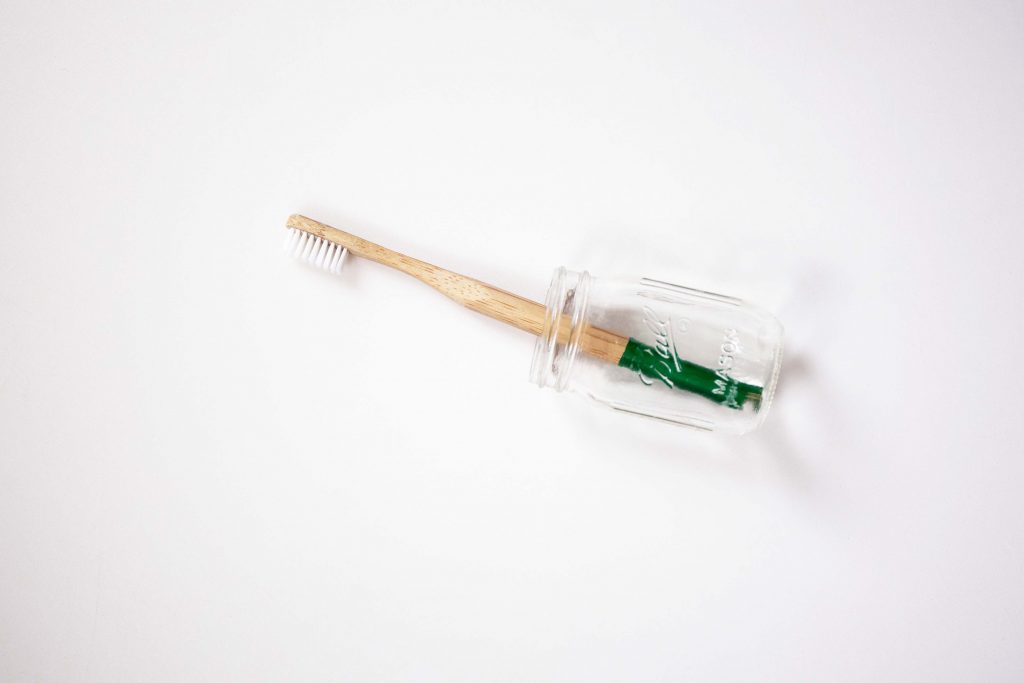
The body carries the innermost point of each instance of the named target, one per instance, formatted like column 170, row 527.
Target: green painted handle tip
column 660, row 365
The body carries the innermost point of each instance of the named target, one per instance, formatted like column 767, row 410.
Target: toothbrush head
column 315, row 250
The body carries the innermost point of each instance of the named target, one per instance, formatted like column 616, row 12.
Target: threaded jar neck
column 558, row 345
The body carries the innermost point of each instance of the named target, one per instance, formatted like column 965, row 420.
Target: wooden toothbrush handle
column 481, row 297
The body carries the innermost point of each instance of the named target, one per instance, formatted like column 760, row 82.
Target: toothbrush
column 327, row 247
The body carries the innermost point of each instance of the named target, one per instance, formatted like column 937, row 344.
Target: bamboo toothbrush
column 327, row 247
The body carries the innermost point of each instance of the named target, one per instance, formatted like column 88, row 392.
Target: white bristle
column 339, row 257
column 307, row 248
column 315, row 250
column 289, row 240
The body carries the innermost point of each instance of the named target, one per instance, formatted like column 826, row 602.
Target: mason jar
column 660, row 350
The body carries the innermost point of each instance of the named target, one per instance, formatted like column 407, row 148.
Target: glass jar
column 648, row 347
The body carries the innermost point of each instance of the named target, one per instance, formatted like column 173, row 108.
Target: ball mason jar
column 652, row 348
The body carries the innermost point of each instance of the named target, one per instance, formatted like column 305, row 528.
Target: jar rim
column 558, row 344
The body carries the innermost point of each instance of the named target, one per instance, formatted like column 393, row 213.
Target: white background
column 218, row 464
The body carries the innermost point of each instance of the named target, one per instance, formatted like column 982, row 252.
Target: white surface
column 217, row 464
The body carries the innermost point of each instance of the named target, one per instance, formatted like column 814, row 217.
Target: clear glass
column 652, row 348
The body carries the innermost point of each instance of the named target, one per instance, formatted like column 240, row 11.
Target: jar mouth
column 558, row 344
